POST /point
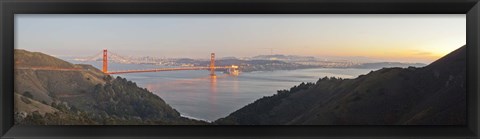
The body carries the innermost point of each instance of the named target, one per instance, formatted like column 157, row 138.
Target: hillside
column 432, row 95
column 48, row 89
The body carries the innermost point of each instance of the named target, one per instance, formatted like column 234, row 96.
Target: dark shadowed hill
column 52, row 91
column 432, row 95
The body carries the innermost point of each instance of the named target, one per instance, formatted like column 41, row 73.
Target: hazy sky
column 406, row 38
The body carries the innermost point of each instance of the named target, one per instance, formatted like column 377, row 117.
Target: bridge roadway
column 171, row 69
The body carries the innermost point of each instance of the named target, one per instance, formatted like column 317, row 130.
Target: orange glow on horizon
column 406, row 53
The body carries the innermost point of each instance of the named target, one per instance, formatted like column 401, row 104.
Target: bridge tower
column 105, row 61
column 212, row 64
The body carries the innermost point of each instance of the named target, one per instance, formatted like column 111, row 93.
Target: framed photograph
column 259, row 68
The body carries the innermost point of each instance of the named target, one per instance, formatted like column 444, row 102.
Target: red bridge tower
column 105, row 61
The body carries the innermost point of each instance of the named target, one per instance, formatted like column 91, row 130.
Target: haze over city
column 404, row 38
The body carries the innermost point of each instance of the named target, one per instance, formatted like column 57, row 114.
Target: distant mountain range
column 379, row 65
column 431, row 95
column 297, row 58
column 290, row 62
column 287, row 58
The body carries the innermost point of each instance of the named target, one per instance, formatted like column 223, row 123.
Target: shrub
column 28, row 94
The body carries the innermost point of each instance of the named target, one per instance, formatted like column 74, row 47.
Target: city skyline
column 404, row 38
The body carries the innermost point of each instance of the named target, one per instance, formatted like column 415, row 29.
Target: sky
column 403, row 38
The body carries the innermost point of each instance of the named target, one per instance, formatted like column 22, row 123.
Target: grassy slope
column 91, row 91
column 25, row 104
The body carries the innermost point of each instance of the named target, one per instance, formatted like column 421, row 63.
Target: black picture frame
column 11, row 7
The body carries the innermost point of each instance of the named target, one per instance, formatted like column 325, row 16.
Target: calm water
column 197, row 95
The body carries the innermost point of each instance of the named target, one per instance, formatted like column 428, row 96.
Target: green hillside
column 82, row 94
column 432, row 95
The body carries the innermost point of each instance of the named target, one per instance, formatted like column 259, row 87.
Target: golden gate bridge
column 106, row 55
